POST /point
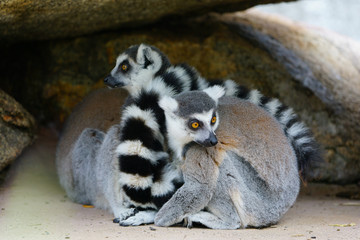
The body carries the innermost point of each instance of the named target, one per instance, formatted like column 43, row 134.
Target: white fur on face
column 117, row 74
column 178, row 135
column 119, row 60
column 138, row 77
column 204, row 132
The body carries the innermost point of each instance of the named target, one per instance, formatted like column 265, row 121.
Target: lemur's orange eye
column 124, row 67
column 213, row 120
column 195, row 125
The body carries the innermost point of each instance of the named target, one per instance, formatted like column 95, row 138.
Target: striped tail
column 146, row 177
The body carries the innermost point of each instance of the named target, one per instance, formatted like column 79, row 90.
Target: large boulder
column 49, row 78
column 45, row 19
column 16, row 129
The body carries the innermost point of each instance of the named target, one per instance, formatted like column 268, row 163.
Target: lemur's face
column 192, row 117
column 135, row 68
column 197, row 127
column 201, row 127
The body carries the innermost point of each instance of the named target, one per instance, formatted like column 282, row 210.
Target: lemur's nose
column 213, row 140
column 108, row 78
column 112, row 82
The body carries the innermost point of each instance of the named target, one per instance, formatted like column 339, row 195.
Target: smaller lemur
column 248, row 178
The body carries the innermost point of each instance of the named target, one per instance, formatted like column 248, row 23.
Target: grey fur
column 96, row 172
column 81, row 138
column 188, row 98
column 249, row 179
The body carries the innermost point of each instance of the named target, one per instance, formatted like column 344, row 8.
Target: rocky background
column 53, row 54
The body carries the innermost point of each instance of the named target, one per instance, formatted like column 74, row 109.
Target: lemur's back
column 99, row 110
column 255, row 135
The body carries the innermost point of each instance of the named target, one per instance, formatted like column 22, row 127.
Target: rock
column 16, row 127
column 49, row 19
column 50, row 77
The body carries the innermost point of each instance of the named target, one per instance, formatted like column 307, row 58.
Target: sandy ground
column 33, row 206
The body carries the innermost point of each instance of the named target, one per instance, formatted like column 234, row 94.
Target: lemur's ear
column 148, row 57
column 168, row 104
column 215, row 92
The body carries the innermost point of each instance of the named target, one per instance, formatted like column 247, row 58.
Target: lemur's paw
column 140, row 218
column 187, row 223
column 124, row 214
column 169, row 214
column 165, row 220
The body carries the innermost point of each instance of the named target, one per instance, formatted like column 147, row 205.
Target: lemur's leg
column 83, row 156
column 212, row 221
column 87, row 144
column 142, row 217
column 189, row 199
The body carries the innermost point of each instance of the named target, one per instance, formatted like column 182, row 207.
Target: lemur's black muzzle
column 112, row 82
column 210, row 142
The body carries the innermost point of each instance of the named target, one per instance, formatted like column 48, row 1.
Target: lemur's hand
column 122, row 214
column 140, row 218
column 168, row 215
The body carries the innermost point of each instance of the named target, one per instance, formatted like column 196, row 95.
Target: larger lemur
column 141, row 175
column 249, row 178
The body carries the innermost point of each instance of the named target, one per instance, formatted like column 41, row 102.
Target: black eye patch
column 124, row 66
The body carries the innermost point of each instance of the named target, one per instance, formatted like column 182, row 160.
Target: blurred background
column 337, row 15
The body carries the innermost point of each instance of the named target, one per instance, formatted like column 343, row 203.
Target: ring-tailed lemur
column 249, row 178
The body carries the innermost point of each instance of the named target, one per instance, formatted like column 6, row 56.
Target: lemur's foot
column 125, row 214
column 140, row 218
